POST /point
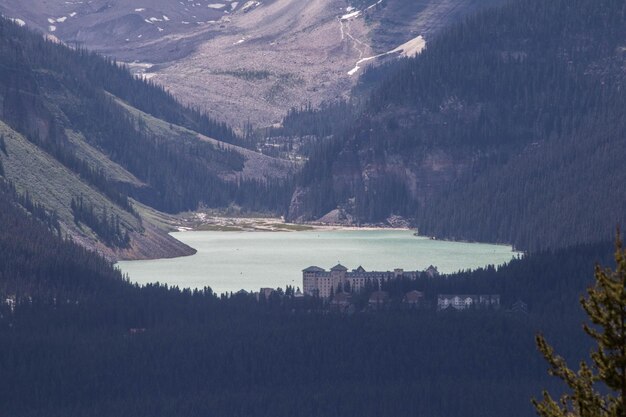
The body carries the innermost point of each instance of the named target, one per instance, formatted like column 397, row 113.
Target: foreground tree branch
column 606, row 307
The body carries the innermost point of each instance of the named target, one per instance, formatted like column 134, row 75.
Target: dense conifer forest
column 77, row 339
column 37, row 262
column 531, row 91
column 524, row 101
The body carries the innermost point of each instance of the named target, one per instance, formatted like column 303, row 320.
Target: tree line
column 79, row 339
column 523, row 101
column 106, row 226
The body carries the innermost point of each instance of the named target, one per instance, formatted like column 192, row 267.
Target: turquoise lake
column 230, row 261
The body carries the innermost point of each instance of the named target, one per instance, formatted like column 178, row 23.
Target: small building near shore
column 319, row 282
column 378, row 299
column 432, row 271
column 413, row 298
column 467, row 301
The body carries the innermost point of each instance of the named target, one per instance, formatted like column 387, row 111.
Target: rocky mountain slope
column 101, row 152
column 245, row 61
column 483, row 136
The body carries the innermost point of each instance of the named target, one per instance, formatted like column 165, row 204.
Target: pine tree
column 606, row 308
column 3, row 146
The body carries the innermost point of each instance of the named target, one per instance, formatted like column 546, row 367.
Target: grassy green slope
column 48, row 182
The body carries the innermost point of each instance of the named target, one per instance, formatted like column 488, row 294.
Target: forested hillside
column 78, row 127
column 78, row 340
column 508, row 128
column 35, row 261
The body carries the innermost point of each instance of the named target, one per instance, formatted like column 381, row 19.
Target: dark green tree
column 3, row 145
column 597, row 389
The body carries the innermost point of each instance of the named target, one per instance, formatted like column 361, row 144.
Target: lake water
column 230, row 261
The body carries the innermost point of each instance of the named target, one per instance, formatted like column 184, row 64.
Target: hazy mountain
column 244, row 60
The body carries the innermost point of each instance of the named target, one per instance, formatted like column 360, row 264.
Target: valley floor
column 211, row 221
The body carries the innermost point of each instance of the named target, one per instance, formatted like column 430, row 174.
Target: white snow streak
column 374, row 5
column 411, row 48
column 408, row 49
column 351, row 15
column 19, row 22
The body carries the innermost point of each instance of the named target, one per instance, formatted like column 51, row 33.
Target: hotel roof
column 314, row 269
column 338, row 267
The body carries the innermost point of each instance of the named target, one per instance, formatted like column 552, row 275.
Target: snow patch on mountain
column 411, row 48
column 373, row 5
column 250, row 5
column 408, row 49
column 352, row 15
column 19, row 22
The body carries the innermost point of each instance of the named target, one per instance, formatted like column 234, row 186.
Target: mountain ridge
column 73, row 147
column 505, row 86
column 249, row 63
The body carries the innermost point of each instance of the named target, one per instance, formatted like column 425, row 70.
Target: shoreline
column 231, row 268
column 277, row 224
column 212, row 222
column 301, row 227
column 198, row 222
column 208, row 222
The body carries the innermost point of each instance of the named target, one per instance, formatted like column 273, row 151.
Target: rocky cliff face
column 360, row 184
